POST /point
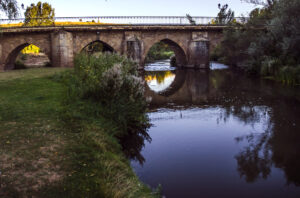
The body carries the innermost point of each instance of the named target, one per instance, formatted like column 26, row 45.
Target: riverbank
column 41, row 157
column 272, row 53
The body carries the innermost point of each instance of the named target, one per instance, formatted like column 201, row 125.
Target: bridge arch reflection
column 176, row 79
column 189, row 86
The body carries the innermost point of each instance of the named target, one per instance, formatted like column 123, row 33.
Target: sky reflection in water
column 220, row 134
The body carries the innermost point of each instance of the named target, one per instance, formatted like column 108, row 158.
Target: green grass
column 29, row 73
column 40, row 156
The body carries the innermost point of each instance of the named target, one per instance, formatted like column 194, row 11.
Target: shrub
column 48, row 64
column 216, row 54
column 290, row 75
column 159, row 51
column 107, row 87
column 23, row 57
column 19, row 65
column 270, row 66
column 267, row 42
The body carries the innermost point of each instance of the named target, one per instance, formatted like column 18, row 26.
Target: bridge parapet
column 124, row 20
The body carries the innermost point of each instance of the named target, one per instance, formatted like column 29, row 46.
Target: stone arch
column 176, row 46
column 83, row 40
column 13, row 53
column 106, row 46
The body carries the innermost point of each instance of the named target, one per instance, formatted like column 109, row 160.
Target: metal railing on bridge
column 121, row 20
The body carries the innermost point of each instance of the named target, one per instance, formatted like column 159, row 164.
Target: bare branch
column 260, row 2
column 9, row 7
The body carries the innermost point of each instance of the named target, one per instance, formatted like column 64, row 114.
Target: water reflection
column 277, row 146
column 133, row 144
column 231, row 135
column 188, row 86
column 160, row 80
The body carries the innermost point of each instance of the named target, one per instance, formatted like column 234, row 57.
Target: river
column 219, row 133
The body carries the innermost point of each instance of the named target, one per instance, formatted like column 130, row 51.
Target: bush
column 23, row 57
column 107, row 87
column 270, row 66
column 267, row 42
column 216, row 54
column 19, row 65
column 159, row 51
column 48, row 64
column 290, row 75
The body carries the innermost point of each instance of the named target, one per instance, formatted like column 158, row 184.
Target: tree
column 191, row 20
column 268, row 44
column 9, row 7
column 284, row 28
column 39, row 14
column 224, row 16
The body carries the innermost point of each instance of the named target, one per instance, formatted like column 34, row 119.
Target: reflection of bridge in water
column 189, row 86
column 247, row 100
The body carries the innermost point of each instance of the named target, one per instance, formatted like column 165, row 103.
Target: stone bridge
column 191, row 44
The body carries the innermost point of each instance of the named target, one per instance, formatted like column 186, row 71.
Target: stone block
column 62, row 49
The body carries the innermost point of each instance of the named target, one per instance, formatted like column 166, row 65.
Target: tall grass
column 290, row 75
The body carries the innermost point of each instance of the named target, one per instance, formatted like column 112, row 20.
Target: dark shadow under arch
column 97, row 46
column 12, row 57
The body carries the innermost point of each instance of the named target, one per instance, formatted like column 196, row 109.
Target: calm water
column 219, row 134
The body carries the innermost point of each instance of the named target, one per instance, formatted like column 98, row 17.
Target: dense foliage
column 105, row 107
column 39, row 14
column 107, row 86
column 224, row 16
column 268, row 44
column 159, row 51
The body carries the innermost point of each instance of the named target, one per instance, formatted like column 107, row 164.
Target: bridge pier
column 62, row 49
column 133, row 47
column 199, row 54
column 199, row 50
column 134, row 51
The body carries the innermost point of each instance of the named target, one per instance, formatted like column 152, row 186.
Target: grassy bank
column 41, row 156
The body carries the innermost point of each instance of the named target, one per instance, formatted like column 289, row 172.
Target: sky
column 65, row 8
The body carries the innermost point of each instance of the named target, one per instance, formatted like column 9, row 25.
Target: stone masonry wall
column 191, row 44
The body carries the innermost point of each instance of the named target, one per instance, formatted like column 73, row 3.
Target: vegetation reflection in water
column 159, row 80
column 222, row 131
